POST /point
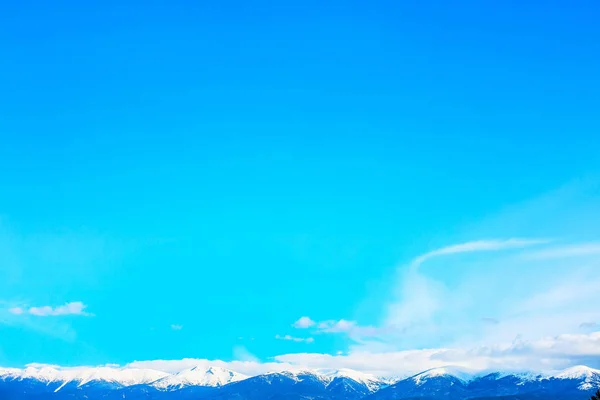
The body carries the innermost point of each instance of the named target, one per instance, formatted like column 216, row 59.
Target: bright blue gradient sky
column 202, row 174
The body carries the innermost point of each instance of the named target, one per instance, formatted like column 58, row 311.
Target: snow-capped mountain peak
column 371, row 382
column 339, row 384
column 199, row 376
column 81, row 376
column 44, row 374
column 302, row 374
column 10, row 373
column 462, row 374
column 589, row 377
column 577, row 372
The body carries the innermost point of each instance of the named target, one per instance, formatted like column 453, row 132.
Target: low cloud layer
column 543, row 355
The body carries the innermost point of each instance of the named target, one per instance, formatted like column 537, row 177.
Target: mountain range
column 214, row 383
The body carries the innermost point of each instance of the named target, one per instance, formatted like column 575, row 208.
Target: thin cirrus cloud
column 72, row 308
column 176, row 327
column 478, row 246
column 294, row 339
column 565, row 251
column 331, row 325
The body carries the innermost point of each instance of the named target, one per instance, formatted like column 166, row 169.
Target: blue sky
column 188, row 180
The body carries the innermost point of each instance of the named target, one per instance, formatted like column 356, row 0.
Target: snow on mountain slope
column 198, row 376
column 122, row 376
column 45, row 374
column 432, row 380
column 590, row 377
column 370, row 381
column 9, row 373
column 302, row 375
column 522, row 378
column 577, row 372
column 81, row 376
column 326, row 376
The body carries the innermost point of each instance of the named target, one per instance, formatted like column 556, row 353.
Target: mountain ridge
column 215, row 383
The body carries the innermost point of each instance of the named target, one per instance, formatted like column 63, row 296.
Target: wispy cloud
column 72, row 308
column 352, row 328
column 176, row 327
column 295, row 339
column 477, row 246
column 16, row 310
column 342, row 326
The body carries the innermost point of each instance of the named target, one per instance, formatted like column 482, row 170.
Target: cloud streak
column 342, row 326
column 295, row 339
column 72, row 308
column 478, row 246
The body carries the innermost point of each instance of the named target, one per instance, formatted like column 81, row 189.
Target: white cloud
column 295, row 339
column 303, row 323
column 16, row 310
column 72, row 308
column 176, row 327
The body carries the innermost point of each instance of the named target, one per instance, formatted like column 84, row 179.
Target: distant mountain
column 216, row 383
column 454, row 384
